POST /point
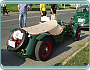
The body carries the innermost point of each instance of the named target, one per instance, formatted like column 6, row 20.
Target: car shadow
column 59, row 48
column 62, row 47
column 10, row 59
column 82, row 37
column 85, row 29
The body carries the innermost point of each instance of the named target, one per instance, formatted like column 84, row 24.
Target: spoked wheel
column 43, row 49
column 18, row 40
column 77, row 34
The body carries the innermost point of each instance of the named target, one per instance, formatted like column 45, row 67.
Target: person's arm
column 28, row 7
column 52, row 11
column 41, row 9
column 18, row 8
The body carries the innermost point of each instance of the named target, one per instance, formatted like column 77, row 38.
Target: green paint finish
column 59, row 21
column 81, row 17
column 61, row 37
column 84, row 6
column 74, row 30
column 13, row 30
column 31, row 45
column 84, row 16
column 19, row 54
column 41, row 36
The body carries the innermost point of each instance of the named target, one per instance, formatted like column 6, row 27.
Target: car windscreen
column 83, row 9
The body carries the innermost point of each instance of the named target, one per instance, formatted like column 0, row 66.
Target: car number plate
column 81, row 20
column 11, row 43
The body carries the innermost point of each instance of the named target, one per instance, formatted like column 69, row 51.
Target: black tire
column 43, row 56
column 77, row 34
column 22, row 44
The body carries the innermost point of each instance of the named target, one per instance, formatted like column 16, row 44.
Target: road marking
column 73, row 12
column 60, row 13
column 9, row 20
column 27, row 17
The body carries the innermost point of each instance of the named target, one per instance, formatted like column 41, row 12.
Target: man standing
column 4, row 9
column 23, row 13
column 53, row 11
column 43, row 9
column 30, row 7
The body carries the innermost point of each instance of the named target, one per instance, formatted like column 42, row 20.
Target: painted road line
column 9, row 20
column 27, row 17
column 73, row 12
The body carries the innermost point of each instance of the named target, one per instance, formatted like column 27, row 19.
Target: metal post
column 77, row 6
column 64, row 6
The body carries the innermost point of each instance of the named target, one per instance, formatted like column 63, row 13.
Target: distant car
column 81, row 17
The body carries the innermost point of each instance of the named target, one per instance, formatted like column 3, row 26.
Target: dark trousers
column 44, row 13
column 4, row 10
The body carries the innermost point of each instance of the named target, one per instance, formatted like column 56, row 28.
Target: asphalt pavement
column 61, row 51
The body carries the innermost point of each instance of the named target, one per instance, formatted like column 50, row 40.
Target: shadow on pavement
column 62, row 47
column 6, row 15
column 85, row 29
column 10, row 59
column 83, row 37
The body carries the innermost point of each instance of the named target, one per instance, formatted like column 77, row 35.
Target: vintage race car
column 40, row 39
column 81, row 17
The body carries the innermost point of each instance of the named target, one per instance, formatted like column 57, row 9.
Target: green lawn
column 80, row 59
column 37, row 7
column 13, row 7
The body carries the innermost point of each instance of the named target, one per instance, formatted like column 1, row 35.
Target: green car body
column 29, row 49
column 81, row 17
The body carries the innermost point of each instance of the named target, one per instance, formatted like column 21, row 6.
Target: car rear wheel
column 43, row 49
column 77, row 34
column 20, row 37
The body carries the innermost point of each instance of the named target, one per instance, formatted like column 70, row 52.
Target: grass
column 13, row 7
column 66, row 7
column 80, row 59
column 59, row 63
column 37, row 7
